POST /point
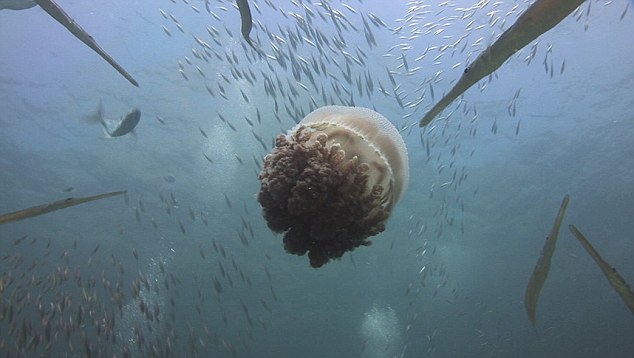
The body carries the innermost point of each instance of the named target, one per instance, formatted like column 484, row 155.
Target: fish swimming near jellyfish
column 117, row 128
column 55, row 11
column 540, row 17
column 617, row 282
column 53, row 206
column 540, row 272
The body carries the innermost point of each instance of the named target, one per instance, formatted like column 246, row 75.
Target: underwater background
column 185, row 265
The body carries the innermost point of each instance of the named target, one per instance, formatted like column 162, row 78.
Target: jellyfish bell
column 368, row 135
column 333, row 181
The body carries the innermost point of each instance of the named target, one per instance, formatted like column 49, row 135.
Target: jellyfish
column 333, row 181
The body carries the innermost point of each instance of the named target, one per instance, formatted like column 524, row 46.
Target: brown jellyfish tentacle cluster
column 320, row 197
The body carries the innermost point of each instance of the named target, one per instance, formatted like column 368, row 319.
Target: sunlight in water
column 380, row 332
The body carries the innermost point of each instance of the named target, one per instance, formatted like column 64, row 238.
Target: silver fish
column 540, row 17
column 118, row 128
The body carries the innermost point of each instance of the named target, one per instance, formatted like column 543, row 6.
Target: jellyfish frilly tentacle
column 333, row 181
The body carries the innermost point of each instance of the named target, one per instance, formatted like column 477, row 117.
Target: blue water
column 478, row 238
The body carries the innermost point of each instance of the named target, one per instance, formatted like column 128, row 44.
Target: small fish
column 210, row 91
column 227, row 201
column 217, row 285
column 540, row 272
column 627, row 6
column 183, row 74
column 617, row 282
column 200, row 71
column 18, row 241
column 56, row 205
column 167, row 31
column 244, row 96
column 117, row 128
column 222, row 251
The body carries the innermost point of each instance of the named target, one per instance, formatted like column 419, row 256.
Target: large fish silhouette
column 540, row 17
column 62, row 17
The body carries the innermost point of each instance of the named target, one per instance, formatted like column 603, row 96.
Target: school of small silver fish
column 72, row 299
